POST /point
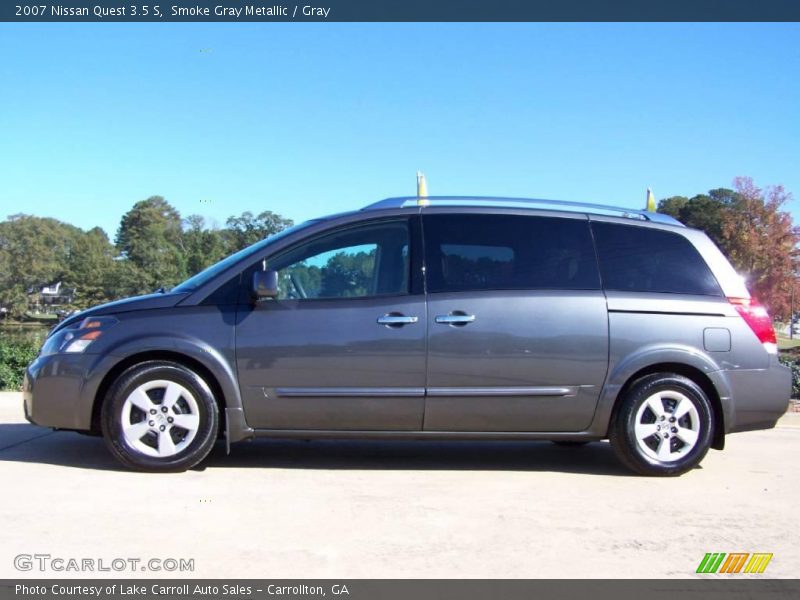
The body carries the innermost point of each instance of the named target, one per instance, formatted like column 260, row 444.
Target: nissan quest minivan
column 435, row 318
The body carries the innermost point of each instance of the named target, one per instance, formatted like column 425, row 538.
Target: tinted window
column 480, row 252
column 355, row 262
column 640, row 259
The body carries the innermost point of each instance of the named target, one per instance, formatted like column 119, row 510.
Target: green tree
column 347, row 274
column 34, row 251
column 89, row 269
column 154, row 248
column 202, row 247
column 246, row 229
column 703, row 211
column 127, row 279
column 150, row 236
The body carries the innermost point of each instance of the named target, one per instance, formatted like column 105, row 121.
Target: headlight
column 76, row 340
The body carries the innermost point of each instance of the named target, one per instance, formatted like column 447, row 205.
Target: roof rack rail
column 562, row 205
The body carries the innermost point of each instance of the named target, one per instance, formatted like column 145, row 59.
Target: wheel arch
column 151, row 355
column 682, row 360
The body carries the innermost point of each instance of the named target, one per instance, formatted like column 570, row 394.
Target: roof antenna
column 651, row 201
column 422, row 190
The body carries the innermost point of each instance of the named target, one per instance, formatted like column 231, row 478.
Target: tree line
column 154, row 247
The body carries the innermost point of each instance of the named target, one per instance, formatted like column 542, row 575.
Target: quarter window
column 482, row 252
column 642, row 259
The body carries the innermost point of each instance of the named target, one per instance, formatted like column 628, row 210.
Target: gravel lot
column 398, row 509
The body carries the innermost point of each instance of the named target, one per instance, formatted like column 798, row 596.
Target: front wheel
column 160, row 416
column 663, row 425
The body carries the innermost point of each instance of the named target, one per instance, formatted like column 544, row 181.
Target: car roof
column 531, row 203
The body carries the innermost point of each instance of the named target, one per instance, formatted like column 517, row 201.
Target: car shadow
column 596, row 458
column 24, row 443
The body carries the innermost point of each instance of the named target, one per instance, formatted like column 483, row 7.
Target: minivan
column 453, row 318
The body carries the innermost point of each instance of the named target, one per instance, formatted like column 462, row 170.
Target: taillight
column 756, row 316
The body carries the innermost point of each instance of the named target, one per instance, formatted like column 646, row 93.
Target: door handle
column 396, row 320
column 456, row 318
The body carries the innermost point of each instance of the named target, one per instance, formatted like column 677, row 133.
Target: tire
column 569, row 443
column 160, row 416
column 647, row 434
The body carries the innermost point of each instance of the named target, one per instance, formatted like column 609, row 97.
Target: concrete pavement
column 397, row 509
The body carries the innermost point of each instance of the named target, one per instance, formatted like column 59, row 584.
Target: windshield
column 207, row 274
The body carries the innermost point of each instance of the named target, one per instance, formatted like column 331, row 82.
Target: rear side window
column 491, row 252
column 640, row 259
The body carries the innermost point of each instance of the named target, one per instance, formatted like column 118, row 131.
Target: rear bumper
column 53, row 391
column 759, row 397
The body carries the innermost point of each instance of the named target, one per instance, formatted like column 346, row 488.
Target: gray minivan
column 434, row 318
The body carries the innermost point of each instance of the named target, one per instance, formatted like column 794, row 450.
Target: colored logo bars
column 736, row 562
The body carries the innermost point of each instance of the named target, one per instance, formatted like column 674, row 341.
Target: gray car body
column 555, row 366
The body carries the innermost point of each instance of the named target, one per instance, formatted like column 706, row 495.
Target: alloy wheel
column 667, row 426
column 160, row 418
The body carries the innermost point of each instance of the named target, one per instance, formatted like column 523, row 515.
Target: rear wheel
column 160, row 416
column 663, row 425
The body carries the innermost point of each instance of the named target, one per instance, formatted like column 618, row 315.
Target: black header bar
column 398, row 10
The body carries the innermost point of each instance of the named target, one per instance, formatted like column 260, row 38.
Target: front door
column 343, row 345
column 518, row 329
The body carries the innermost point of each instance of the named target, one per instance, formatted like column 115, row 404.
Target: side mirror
column 265, row 284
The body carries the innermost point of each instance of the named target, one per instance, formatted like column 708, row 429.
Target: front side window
column 642, row 259
column 356, row 262
column 495, row 252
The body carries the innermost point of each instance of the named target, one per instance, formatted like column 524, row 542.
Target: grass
column 784, row 343
column 42, row 317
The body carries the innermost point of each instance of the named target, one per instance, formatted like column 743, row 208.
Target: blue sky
column 305, row 119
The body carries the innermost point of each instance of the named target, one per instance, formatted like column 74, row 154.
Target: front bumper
column 54, row 391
